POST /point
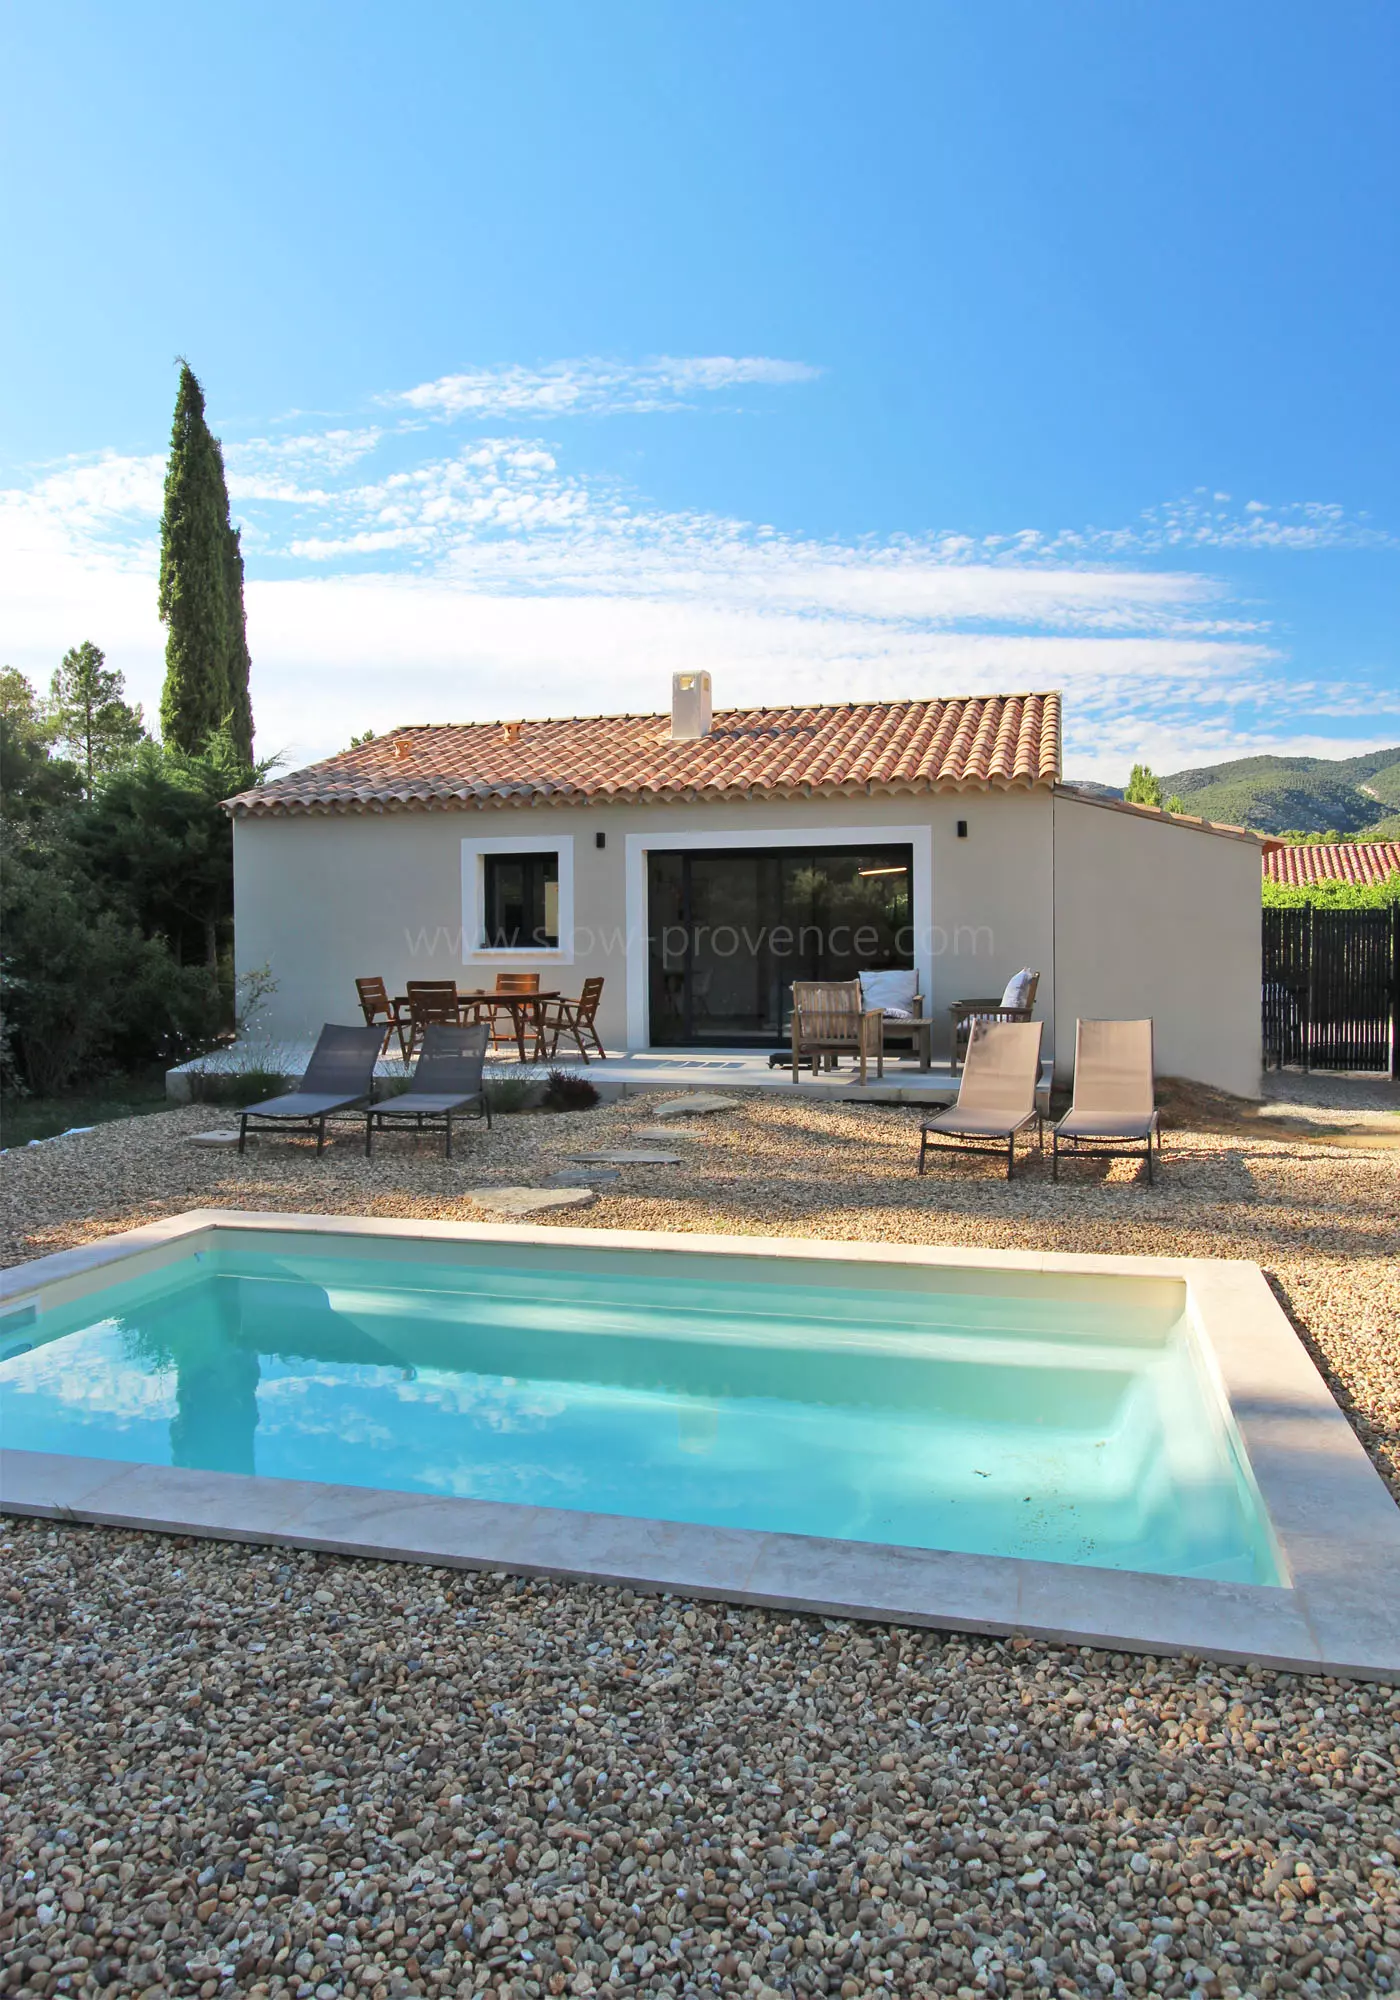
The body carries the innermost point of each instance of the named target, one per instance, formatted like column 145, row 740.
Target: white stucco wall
column 1162, row 920
column 322, row 899
column 1122, row 916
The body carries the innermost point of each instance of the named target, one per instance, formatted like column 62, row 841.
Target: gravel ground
column 230, row 1770
column 246, row 1771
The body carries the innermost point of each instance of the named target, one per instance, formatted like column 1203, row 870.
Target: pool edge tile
column 168, row 1499
column 942, row 1590
column 934, row 1587
column 54, row 1482
column 1142, row 1613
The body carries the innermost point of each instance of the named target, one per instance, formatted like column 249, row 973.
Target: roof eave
column 1188, row 821
column 260, row 805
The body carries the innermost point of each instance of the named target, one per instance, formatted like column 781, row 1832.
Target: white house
column 699, row 861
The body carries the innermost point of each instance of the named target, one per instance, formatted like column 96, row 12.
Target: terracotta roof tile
column 1362, row 862
column 858, row 748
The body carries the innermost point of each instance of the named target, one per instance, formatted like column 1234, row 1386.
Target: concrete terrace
column 627, row 1073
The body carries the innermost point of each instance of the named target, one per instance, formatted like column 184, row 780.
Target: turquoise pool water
column 1071, row 1422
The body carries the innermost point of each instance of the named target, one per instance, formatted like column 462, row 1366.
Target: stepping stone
column 628, row 1159
column 594, row 1177
column 216, row 1139
column 700, row 1104
column 514, row 1204
column 668, row 1134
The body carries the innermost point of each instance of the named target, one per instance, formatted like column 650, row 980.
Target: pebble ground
column 230, row 1770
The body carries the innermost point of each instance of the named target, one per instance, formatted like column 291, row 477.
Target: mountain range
column 1351, row 796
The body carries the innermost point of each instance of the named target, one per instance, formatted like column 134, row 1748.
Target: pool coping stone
column 1335, row 1524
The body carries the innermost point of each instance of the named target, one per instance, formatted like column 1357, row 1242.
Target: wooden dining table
column 523, row 1008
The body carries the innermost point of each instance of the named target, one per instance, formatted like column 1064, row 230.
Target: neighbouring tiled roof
column 854, row 750
column 1362, row 862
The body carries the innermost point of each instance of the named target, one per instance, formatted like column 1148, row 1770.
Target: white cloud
column 1203, row 520
column 95, row 511
column 597, row 387
column 410, row 649
column 388, row 583
column 273, row 468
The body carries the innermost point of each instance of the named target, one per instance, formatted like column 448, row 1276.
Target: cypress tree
column 201, row 587
column 238, row 663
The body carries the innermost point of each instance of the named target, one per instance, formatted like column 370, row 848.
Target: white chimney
column 691, row 707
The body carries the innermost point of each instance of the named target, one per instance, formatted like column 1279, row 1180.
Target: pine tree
column 88, row 714
column 32, row 781
column 240, row 716
column 23, row 707
column 201, row 586
column 1144, row 788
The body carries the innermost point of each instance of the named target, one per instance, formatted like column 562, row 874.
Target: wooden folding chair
column 432, row 1003
column 379, row 1010
column 574, row 1017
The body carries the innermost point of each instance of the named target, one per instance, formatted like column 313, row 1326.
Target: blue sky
column 848, row 351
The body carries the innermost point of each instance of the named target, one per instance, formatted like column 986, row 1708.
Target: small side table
column 920, row 1031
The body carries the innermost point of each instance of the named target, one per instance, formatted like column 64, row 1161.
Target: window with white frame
column 520, row 902
column 518, row 897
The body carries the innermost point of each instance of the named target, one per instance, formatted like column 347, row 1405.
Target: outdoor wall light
column 600, row 840
column 962, row 829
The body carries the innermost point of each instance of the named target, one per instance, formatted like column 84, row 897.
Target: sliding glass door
column 731, row 928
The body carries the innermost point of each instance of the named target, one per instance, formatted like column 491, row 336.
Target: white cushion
column 1017, row 987
column 895, row 992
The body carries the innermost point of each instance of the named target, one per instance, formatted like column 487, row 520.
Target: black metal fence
column 1332, row 988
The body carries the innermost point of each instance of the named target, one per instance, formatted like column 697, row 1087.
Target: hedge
column 1333, row 895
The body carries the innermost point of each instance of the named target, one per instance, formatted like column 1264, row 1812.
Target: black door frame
column 808, row 850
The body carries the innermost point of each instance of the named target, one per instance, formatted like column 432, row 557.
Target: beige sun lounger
column 1114, row 1112
column 996, row 1097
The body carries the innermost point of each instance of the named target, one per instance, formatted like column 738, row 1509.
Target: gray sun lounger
column 339, row 1076
column 446, row 1080
column 996, row 1097
column 1114, row 1112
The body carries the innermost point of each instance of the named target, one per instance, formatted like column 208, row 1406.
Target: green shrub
column 85, row 993
column 236, row 1086
column 510, row 1093
column 1333, row 895
column 115, row 902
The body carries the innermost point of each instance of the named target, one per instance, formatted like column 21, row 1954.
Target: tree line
column 116, row 896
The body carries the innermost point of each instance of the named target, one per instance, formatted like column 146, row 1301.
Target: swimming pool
column 1069, row 1419
column 729, row 1417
